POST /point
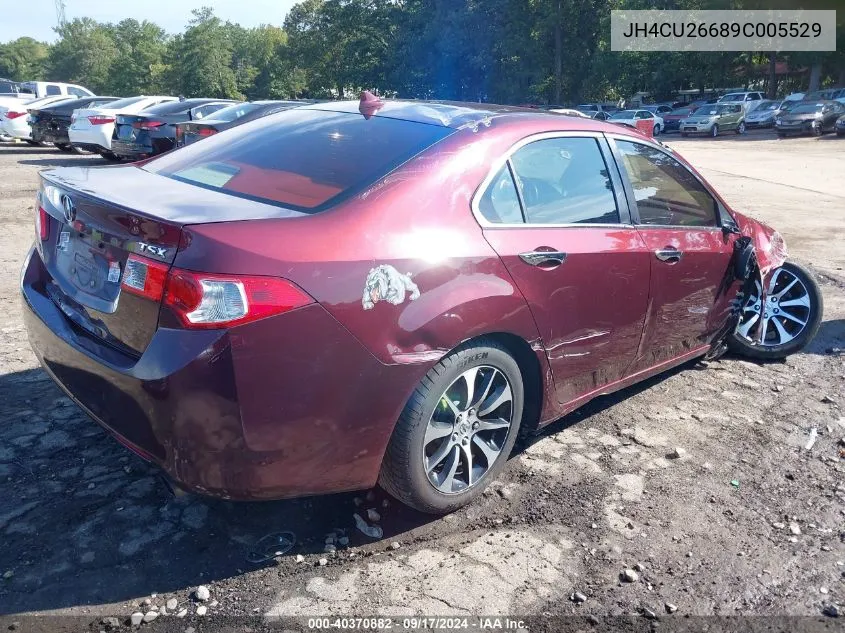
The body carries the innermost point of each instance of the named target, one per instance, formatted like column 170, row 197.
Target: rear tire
column 811, row 316
column 425, row 466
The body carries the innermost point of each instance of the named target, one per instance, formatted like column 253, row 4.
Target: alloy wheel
column 715, row 131
column 468, row 429
column 742, row 128
column 787, row 312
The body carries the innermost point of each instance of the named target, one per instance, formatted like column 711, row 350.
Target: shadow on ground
column 85, row 522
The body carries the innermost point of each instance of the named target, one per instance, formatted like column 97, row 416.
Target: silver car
column 763, row 115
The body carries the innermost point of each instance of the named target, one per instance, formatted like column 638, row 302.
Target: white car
column 749, row 100
column 14, row 120
column 630, row 118
column 91, row 129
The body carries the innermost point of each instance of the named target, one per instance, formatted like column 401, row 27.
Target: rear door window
column 565, row 181
column 53, row 89
column 304, row 159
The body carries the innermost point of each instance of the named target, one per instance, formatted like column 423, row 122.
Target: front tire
column 657, row 130
column 457, row 430
column 741, row 128
column 794, row 313
column 715, row 131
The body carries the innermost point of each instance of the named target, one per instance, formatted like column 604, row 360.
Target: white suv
column 749, row 100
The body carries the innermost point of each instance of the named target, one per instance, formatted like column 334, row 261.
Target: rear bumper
column 283, row 407
column 127, row 149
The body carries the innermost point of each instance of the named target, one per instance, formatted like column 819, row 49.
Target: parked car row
column 125, row 129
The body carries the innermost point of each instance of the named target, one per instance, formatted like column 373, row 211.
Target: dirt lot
column 747, row 522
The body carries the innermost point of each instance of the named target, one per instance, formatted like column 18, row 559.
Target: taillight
column 42, row 224
column 203, row 300
column 100, row 120
column 206, row 131
column 147, row 125
column 14, row 115
column 144, row 277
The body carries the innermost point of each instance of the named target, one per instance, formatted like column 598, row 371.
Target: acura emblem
column 69, row 208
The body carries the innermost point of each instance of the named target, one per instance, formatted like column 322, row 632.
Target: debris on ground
column 323, row 562
column 202, row 593
column 149, row 616
column 202, row 609
column 629, row 575
column 172, row 604
column 676, row 453
column 271, row 546
column 814, row 433
column 136, row 618
column 373, row 531
column 735, row 483
column 670, row 608
column 373, row 515
column 578, row 597
column 795, row 528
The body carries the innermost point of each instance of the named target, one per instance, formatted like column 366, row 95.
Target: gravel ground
column 597, row 516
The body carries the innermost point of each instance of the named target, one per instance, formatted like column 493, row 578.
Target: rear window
column 233, row 112
column 122, row 103
column 174, row 107
column 300, row 159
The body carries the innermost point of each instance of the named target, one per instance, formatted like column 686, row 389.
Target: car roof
column 452, row 114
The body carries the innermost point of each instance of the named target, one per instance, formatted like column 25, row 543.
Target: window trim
column 619, row 193
column 629, row 190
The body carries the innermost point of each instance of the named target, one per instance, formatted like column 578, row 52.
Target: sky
column 36, row 18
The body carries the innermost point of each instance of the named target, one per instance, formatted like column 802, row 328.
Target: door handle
column 547, row 259
column 669, row 255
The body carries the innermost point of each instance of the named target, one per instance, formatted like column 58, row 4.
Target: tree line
column 506, row 51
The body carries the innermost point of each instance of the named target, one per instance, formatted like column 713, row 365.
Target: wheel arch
column 537, row 382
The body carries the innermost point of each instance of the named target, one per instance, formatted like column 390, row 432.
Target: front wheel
column 741, row 128
column 791, row 318
column 657, row 130
column 715, row 131
column 456, row 431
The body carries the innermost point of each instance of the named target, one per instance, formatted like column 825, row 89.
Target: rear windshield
column 176, row 107
column 300, row 159
column 233, row 112
column 122, row 103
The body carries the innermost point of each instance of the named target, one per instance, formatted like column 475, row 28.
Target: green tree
column 139, row 66
column 23, row 59
column 201, row 59
column 84, row 54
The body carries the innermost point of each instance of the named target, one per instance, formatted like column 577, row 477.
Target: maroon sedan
column 343, row 294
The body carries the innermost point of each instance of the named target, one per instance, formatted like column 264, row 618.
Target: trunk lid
column 98, row 218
